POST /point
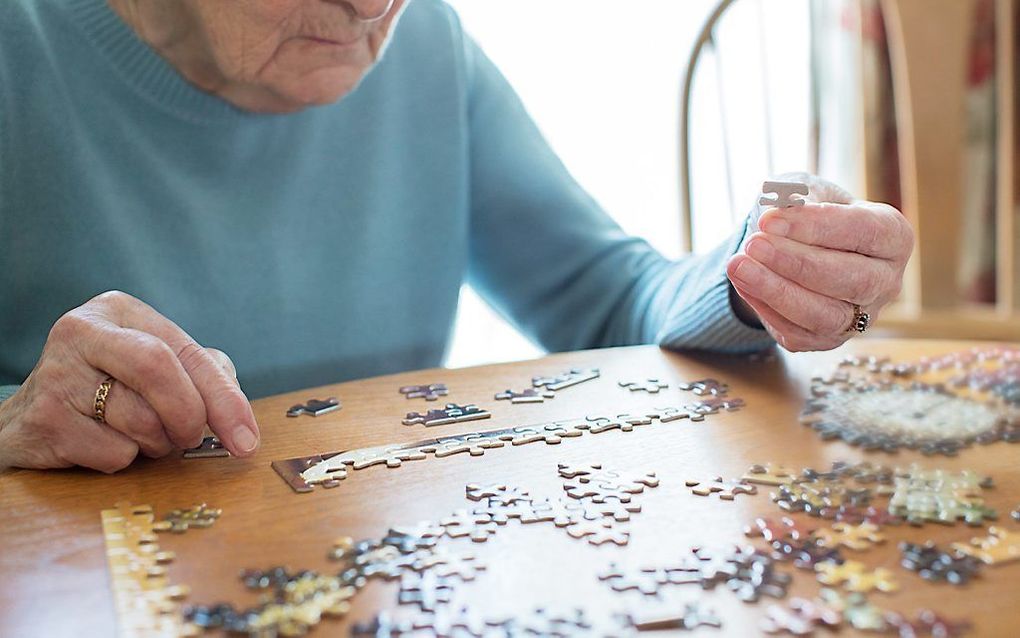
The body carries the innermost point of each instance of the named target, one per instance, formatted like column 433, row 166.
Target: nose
column 370, row 10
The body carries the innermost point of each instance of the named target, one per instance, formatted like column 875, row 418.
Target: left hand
column 802, row 273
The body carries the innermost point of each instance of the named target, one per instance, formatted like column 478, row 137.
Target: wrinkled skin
column 267, row 55
column 167, row 388
column 802, row 272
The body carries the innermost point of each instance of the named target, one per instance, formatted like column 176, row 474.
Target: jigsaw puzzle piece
column 551, row 434
column 429, row 392
column 529, row 395
column 726, row 490
column 474, row 444
column 855, row 537
column 785, row 194
column 566, row 380
column 452, row 413
column 1000, row 546
column 770, row 474
column 703, row 387
column 314, row 407
column 650, row 385
column 210, row 447
column 855, row 577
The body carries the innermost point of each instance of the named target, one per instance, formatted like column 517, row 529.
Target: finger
column 223, row 361
column 96, row 446
column 870, row 229
column 787, row 334
column 815, row 313
column 821, row 190
column 227, row 410
column 128, row 413
column 832, row 273
column 147, row 365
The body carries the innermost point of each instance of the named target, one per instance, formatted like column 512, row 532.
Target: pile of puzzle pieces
column 866, row 402
column 145, row 600
column 748, row 573
column 595, row 504
column 848, row 494
column 848, row 505
column 939, row 496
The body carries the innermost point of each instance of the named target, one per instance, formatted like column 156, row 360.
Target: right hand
column 167, row 388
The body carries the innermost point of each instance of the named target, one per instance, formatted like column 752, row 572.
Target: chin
column 323, row 87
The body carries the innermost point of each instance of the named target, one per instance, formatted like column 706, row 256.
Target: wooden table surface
column 53, row 574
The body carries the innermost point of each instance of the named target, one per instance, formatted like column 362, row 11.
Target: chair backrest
column 930, row 48
column 707, row 43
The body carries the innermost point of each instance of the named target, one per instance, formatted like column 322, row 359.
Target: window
column 584, row 66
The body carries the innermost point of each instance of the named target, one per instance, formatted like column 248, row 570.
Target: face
column 295, row 53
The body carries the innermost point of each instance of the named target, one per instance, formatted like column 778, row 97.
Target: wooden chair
column 929, row 42
column 705, row 42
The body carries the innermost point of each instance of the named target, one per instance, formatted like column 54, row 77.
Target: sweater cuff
column 6, row 391
column 705, row 320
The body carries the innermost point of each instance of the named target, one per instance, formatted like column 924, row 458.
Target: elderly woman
column 306, row 184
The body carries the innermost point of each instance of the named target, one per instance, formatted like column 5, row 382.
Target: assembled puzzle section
column 146, row 603
column 452, row 413
column 328, row 470
column 876, row 404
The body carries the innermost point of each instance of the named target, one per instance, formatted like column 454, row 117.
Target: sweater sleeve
column 547, row 257
column 6, row 391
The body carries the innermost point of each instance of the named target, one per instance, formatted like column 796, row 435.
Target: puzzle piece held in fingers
column 785, row 194
column 209, row 448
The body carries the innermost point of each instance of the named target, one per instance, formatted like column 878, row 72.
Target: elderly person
column 306, row 184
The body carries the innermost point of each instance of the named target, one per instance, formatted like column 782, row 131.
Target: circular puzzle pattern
column 936, row 406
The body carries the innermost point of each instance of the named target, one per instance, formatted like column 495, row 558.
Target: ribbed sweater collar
column 146, row 71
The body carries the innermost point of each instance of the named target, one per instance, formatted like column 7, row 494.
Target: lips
column 334, row 41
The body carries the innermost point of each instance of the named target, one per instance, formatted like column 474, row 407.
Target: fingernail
column 760, row 249
column 776, row 226
column 244, row 439
column 748, row 271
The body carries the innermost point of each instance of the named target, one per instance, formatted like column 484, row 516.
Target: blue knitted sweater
column 317, row 246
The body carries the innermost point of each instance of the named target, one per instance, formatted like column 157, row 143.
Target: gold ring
column 100, row 403
column 861, row 320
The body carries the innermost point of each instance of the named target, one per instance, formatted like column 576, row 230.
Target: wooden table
column 54, row 576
